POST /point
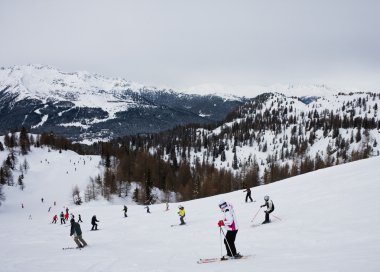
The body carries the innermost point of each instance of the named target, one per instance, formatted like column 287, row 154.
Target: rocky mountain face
column 83, row 106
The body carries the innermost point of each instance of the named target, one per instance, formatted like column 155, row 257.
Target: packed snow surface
column 326, row 220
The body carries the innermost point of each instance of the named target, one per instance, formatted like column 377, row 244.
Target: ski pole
column 228, row 244
column 276, row 217
column 221, row 244
column 255, row 215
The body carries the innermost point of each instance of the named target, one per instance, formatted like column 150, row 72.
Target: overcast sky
column 201, row 44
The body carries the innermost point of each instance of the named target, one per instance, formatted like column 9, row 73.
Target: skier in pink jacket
column 231, row 224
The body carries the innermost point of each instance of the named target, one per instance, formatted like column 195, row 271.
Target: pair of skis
column 213, row 260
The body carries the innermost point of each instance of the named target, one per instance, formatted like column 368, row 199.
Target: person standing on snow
column 248, row 195
column 55, row 218
column 231, row 224
column 77, row 232
column 93, row 222
column 270, row 208
column 181, row 214
column 125, row 209
column 62, row 216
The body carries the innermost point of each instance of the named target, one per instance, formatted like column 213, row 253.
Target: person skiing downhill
column 125, row 209
column 55, row 218
column 62, row 216
column 231, row 224
column 248, row 195
column 93, row 222
column 77, row 232
column 270, row 208
column 181, row 214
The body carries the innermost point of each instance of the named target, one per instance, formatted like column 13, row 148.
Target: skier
column 167, row 206
column 49, row 209
column 248, row 190
column 93, row 222
column 22, row 205
column 67, row 217
column 147, row 209
column 55, row 218
column 77, row 232
column 79, row 218
column 181, row 214
column 42, row 200
column 230, row 223
column 62, row 216
column 270, row 208
column 125, row 209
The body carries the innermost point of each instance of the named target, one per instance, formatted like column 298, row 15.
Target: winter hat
column 222, row 204
column 266, row 198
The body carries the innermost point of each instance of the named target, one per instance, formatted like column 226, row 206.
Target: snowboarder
column 79, row 218
column 248, row 195
column 231, row 224
column 125, row 209
column 93, row 222
column 181, row 214
column 62, row 216
column 77, row 232
column 147, row 209
column 270, row 208
column 55, row 218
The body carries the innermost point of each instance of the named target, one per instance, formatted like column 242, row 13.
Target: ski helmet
column 222, row 204
column 180, row 207
column 266, row 198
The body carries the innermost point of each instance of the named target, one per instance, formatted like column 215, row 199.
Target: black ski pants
column 229, row 242
column 248, row 196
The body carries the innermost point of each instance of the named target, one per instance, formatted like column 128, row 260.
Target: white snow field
column 329, row 222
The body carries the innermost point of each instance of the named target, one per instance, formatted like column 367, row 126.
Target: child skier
column 93, row 222
column 55, row 218
column 230, row 223
column 181, row 214
column 270, row 208
column 77, row 232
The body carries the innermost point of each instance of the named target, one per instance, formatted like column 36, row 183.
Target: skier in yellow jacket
column 181, row 214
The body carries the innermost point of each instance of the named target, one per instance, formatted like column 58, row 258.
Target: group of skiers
column 230, row 223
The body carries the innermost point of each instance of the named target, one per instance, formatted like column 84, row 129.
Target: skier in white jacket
column 231, row 224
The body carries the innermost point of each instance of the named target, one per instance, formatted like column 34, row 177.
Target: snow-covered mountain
column 81, row 105
column 323, row 221
column 275, row 136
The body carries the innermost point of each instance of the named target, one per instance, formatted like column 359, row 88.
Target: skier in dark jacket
column 270, row 208
column 248, row 195
column 125, row 209
column 77, row 232
column 93, row 222
column 62, row 216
